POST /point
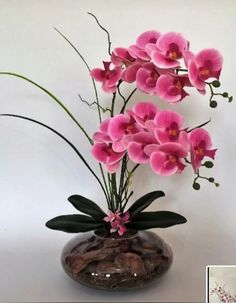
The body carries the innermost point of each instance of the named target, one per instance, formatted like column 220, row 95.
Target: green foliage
column 161, row 219
column 87, row 206
column 144, row 202
column 74, row 223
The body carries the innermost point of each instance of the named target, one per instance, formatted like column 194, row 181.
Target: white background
column 38, row 172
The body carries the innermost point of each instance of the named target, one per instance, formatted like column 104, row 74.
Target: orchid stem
column 66, row 140
column 54, row 98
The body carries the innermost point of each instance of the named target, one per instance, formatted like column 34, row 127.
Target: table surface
column 39, row 172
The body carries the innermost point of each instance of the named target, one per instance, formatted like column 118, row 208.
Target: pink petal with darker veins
column 145, row 81
column 165, row 118
column 99, row 151
column 164, row 89
column 129, row 75
column 138, row 53
column 159, row 164
column 112, row 168
column 117, row 126
column 169, row 38
column 136, row 154
column 212, row 55
column 151, row 148
column 97, row 74
column 198, row 135
column 161, row 61
column 194, row 76
column 150, row 36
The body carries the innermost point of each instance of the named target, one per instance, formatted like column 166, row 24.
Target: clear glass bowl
column 113, row 262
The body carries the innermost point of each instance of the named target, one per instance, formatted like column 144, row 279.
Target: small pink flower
column 117, row 222
column 108, row 77
column 206, row 64
column 165, row 159
column 143, row 112
column 200, row 144
column 137, row 145
column 121, row 56
column 120, row 129
column 104, row 153
column 170, row 49
column 171, row 88
column 168, row 128
column 138, row 50
column 146, row 78
column 102, row 136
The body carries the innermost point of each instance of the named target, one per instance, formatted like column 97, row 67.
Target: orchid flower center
column 173, row 159
column 179, row 85
column 199, row 151
column 110, row 150
column 205, row 72
column 173, row 55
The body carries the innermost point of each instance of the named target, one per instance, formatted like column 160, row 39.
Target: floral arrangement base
column 105, row 261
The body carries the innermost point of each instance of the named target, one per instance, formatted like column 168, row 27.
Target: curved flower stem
column 127, row 100
column 67, row 141
column 95, row 92
column 54, row 98
column 88, row 68
column 105, row 30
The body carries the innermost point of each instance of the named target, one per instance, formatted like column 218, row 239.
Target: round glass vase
column 116, row 262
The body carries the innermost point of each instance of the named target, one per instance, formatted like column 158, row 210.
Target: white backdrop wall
column 39, row 172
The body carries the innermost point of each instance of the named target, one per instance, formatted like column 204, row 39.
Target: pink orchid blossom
column 108, row 77
column 168, row 128
column 146, row 78
column 104, row 153
column 143, row 112
column 129, row 74
column 171, row 87
column 206, row 64
column 102, row 136
column 118, row 222
column 200, row 144
column 137, row 145
column 121, row 129
column 138, row 50
column 165, row 159
column 170, row 49
column 121, row 56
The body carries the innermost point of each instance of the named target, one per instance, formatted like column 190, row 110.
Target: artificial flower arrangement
column 223, row 295
column 159, row 64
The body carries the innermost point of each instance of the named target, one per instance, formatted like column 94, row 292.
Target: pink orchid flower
column 146, row 78
column 171, row 88
column 104, row 153
column 138, row 50
column 102, row 136
column 136, row 146
column 108, row 77
column 121, row 129
column 168, row 128
column 206, row 64
column 118, row 222
column 143, row 112
column 121, row 56
column 165, row 159
column 170, row 49
column 129, row 74
column 200, row 144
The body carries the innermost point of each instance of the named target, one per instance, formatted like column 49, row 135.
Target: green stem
column 127, row 100
column 66, row 140
column 88, row 68
column 54, row 98
column 113, row 104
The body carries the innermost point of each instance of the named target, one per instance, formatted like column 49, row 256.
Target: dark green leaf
column 159, row 219
column 74, row 223
column 144, row 202
column 87, row 206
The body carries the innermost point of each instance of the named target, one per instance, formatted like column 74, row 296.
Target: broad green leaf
column 74, row 223
column 155, row 219
column 144, row 201
column 87, row 206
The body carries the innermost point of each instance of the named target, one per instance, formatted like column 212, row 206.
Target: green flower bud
column 213, row 104
column 225, row 95
column 208, row 164
column 211, row 179
column 196, row 186
column 216, row 83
